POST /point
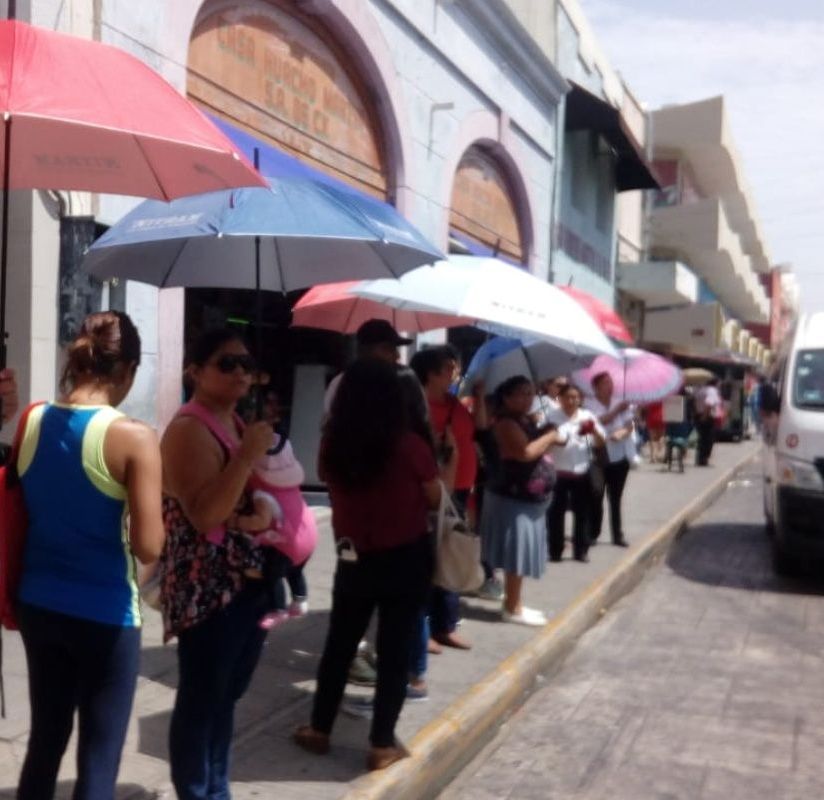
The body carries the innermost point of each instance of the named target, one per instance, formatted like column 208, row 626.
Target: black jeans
column 216, row 660
column 705, row 427
column 395, row 582
column 614, row 479
column 571, row 491
column 76, row 665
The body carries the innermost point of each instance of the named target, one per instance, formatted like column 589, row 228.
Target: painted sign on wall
column 268, row 70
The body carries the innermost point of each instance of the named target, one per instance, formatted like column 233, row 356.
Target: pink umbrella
column 330, row 306
column 607, row 319
column 639, row 376
column 82, row 115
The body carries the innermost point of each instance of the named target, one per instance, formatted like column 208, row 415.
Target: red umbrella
column 330, row 306
column 82, row 115
column 608, row 320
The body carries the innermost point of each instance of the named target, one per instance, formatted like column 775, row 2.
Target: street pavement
column 705, row 683
column 266, row 763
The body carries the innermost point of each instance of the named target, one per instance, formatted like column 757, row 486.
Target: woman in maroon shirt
column 382, row 481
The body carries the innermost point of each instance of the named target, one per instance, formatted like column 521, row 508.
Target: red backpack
column 14, row 523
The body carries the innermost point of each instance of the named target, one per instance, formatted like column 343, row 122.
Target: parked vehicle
column 792, row 407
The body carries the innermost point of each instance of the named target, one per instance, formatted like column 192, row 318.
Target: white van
column 792, row 403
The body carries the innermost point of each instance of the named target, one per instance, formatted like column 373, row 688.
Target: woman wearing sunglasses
column 210, row 602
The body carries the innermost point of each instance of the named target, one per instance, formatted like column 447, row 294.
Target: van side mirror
column 770, row 400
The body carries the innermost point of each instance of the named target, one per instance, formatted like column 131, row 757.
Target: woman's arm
column 432, row 493
column 609, row 416
column 514, row 444
column 194, row 471
column 132, row 454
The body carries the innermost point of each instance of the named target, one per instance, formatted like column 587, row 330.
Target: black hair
column 367, row 419
column 105, row 340
column 569, row 387
column 208, row 343
column 597, row 378
column 431, row 360
column 507, row 388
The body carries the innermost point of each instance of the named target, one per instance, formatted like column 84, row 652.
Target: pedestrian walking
column 383, row 480
column 82, row 465
column 708, row 410
column 579, row 433
column 212, row 600
column 437, row 369
column 617, row 421
column 513, row 519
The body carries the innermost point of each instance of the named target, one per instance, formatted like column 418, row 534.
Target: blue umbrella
column 307, row 231
column 504, row 357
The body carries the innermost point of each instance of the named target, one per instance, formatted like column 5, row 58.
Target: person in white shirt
column 546, row 400
column 708, row 407
column 617, row 419
column 581, row 433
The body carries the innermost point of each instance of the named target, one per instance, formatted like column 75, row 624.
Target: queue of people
column 215, row 505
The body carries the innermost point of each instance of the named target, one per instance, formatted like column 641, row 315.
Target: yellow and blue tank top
column 77, row 559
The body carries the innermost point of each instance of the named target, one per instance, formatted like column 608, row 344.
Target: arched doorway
column 484, row 220
column 268, row 70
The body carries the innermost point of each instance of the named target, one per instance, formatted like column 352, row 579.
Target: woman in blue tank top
column 92, row 484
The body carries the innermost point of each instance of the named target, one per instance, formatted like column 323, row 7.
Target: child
column 283, row 524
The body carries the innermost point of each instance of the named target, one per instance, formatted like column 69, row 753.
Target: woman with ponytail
column 91, row 479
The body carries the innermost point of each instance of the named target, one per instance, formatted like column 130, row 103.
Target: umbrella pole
column 4, row 245
column 258, row 315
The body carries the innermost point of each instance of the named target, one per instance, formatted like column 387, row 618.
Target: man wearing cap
column 376, row 338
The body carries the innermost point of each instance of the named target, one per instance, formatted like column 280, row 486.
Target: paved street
column 706, row 682
column 266, row 762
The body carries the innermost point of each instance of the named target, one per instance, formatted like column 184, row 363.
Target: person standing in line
column 617, row 421
column 546, row 401
column 437, row 370
column 9, row 400
column 82, row 465
column 377, row 339
column 383, row 480
column 707, row 410
column 513, row 518
column 211, row 600
column 580, row 433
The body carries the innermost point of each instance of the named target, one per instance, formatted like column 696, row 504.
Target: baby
column 284, row 526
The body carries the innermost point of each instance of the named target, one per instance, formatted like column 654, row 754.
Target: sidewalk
column 266, row 763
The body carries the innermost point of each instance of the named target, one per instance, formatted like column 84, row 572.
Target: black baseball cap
column 379, row 331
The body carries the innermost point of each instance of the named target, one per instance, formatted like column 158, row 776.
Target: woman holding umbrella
column 211, row 599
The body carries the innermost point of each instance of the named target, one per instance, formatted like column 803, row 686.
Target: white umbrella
column 501, row 297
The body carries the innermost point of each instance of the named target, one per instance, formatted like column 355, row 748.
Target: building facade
column 448, row 111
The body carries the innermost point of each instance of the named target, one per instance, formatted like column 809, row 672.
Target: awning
column 585, row 111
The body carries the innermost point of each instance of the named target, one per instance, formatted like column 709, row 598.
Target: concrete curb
column 445, row 745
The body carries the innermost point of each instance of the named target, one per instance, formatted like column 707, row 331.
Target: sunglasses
column 229, row 363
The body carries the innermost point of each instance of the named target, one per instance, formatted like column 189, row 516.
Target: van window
column 808, row 383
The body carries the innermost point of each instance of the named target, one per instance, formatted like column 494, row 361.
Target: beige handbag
column 457, row 550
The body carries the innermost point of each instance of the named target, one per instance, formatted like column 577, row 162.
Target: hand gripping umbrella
column 82, row 115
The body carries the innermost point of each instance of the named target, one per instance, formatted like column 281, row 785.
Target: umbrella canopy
column 503, row 357
column 638, row 376
column 498, row 295
column 697, row 376
column 605, row 317
column 83, row 115
column 308, row 233
column 332, row 307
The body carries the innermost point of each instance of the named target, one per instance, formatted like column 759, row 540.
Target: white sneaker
column 299, row 608
column 528, row 616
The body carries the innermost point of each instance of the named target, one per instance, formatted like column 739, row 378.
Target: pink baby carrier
column 298, row 534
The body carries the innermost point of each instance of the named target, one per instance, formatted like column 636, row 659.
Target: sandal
column 310, row 739
column 383, row 757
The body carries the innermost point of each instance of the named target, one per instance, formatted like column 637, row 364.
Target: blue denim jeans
column 76, row 665
column 418, row 656
column 216, row 660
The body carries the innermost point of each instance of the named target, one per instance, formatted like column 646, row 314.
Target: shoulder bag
column 457, row 550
